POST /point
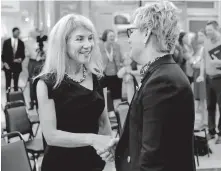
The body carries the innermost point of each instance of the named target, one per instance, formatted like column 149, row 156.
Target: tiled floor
column 214, row 161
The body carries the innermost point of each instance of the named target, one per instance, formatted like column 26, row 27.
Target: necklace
column 82, row 79
column 146, row 67
column 109, row 55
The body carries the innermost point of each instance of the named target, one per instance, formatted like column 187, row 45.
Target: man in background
column 13, row 53
column 212, row 68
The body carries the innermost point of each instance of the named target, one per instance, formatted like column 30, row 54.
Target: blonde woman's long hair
column 57, row 59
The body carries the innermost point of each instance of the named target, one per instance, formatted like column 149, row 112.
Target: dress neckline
column 75, row 83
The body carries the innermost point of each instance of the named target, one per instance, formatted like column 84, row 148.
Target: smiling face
column 80, row 45
column 110, row 37
column 210, row 31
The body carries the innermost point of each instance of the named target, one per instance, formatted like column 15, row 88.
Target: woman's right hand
column 101, row 142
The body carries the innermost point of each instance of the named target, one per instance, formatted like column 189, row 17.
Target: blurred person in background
column 70, row 98
column 178, row 54
column 212, row 68
column 13, row 53
column 164, row 102
column 112, row 57
column 129, row 73
column 199, row 87
column 188, row 52
column 36, row 51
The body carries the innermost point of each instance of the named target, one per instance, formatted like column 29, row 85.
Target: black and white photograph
column 110, row 85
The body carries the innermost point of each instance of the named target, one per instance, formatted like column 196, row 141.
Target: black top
column 160, row 122
column 77, row 110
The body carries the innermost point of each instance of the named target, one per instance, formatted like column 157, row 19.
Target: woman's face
column 80, row 45
column 110, row 37
column 201, row 37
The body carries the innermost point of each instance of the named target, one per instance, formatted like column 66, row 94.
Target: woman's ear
column 147, row 36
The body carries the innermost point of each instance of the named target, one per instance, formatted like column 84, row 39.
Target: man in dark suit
column 13, row 53
column 158, row 132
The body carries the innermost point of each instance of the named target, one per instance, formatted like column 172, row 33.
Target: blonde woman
column 70, row 98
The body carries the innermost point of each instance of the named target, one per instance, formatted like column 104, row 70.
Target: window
column 200, row 4
column 195, row 26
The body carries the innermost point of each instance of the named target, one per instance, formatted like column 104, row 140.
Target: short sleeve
column 49, row 83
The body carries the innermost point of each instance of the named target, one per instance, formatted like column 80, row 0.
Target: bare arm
column 48, row 121
column 202, row 63
column 104, row 122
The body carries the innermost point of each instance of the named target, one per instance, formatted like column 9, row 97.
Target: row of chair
column 20, row 123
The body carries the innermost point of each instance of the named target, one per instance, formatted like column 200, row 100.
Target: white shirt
column 14, row 43
column 30, row 48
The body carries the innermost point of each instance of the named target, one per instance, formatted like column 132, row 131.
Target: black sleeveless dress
column 77, row 110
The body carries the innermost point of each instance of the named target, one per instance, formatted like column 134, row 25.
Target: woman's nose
column 87, row 44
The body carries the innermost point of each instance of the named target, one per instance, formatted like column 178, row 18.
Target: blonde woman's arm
column 56, row 137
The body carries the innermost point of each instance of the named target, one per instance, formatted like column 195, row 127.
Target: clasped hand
column 105, row 147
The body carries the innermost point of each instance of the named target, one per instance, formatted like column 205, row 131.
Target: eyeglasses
column 130, row 31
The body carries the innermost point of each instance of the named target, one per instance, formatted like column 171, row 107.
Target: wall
column 16, row 18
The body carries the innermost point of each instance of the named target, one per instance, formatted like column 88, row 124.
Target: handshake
column 105, row 147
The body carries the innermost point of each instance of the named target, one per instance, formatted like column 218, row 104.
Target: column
column 49, row 8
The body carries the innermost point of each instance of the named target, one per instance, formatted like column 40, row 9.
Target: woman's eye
column 90, row 38
column 79, row 38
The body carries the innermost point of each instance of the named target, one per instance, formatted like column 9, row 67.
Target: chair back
column 14, row 156
column 14, row 104
column 110, row 103
column 17, row 120
column 15, row 96
column 121, row 112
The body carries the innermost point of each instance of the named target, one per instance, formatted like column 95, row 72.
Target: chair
column 196, row 147
column 15, row 95
column 110, row 108
column 14, row 155
column 121, row 112
column 34, row 119
column 117, row 120
column 17, row 120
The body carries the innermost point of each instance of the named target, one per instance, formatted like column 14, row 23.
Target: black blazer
column 158, row 131
column 8, row 56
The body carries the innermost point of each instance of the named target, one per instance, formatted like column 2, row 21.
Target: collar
column 14, row 39
column 150, row 66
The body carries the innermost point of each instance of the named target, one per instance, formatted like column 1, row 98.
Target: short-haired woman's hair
column 162, row 20
column 14, row 29
column 105, row 33
column 57, row 59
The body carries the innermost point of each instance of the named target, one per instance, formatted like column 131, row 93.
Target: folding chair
column 14, row 155
column 196, row 147
column 14, row 95
column 17, row 120
column 34, row 119
column 121, row 112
